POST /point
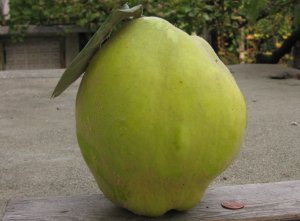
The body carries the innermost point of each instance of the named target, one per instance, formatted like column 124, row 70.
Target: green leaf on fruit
column 81, row 61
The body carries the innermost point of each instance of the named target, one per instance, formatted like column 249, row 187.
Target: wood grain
column 263, row 202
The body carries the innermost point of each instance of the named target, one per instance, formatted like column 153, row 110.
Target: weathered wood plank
column 263, row 202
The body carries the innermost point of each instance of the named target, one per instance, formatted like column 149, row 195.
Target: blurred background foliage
column 238, row 30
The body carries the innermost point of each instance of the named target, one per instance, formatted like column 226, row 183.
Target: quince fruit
column 158, row 117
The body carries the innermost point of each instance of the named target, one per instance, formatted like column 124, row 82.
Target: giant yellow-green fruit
column 158, row 117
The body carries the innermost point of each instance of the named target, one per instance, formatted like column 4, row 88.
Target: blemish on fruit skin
column 159, row 25
column 181, row 139
column 171, row 35
column 162, row 24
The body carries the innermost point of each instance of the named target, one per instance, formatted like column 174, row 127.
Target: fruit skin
column 158, row 117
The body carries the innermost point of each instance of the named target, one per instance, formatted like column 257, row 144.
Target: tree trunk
column 279, row 53
column 214, row 40
column 206, row 34
column 296, row 55
column 242, row 47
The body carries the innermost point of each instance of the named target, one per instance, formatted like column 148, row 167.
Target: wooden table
column 269, row 201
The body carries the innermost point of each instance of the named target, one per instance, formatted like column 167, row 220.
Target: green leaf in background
column 253, row 8
column 296, row 19
column 81, row 61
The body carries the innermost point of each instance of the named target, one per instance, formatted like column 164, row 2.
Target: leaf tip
column 54, row 94
column 125, row 6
